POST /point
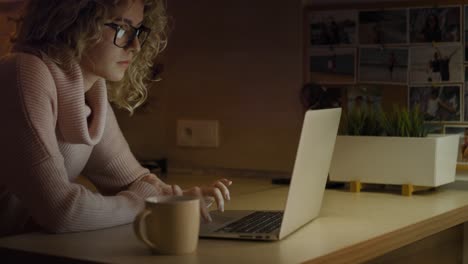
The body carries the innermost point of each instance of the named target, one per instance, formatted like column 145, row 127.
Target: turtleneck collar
column 73, row 121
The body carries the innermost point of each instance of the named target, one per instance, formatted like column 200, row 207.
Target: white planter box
column 429, row 161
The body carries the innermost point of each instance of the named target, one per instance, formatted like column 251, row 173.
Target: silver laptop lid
column 311, row 168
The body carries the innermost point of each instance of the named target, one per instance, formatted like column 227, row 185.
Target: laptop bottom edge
column 223, row 219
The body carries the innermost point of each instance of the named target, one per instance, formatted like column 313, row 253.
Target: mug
column 169, row 224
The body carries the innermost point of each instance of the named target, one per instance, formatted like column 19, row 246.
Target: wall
column 4, row 34
column 239, row 62
column 7, row 26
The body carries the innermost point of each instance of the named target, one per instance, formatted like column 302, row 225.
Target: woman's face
column 105, row 59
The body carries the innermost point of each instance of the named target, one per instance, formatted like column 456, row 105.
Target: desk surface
column 352, row 227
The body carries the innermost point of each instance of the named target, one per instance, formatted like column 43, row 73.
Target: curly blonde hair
column 67, row 28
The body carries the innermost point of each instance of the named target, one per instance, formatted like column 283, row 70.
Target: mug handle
column 138, row 223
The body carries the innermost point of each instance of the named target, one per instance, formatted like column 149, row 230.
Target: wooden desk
column 352, row 228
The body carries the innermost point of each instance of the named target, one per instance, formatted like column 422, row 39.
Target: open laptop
column 305, row 193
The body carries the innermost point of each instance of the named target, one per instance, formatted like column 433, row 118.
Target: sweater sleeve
column 34, row 169
column 112, row 166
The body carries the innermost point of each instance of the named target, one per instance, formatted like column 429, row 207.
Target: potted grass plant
column 393, row 148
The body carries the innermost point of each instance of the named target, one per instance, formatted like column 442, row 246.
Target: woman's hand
column 218, row 190
column 165, row 189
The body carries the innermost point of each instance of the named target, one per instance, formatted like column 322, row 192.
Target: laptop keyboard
column 258, row 222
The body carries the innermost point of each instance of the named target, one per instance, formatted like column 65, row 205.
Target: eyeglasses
column 125, row 34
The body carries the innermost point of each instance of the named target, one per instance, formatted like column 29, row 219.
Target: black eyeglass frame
column 137, row 31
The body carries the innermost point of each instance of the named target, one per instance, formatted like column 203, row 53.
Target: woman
column 58, row 123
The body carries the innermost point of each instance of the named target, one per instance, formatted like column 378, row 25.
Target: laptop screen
column 313, row 158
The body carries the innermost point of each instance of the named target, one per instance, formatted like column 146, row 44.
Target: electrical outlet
column 197, row 133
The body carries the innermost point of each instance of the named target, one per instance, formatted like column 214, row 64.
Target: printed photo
column 365, row 97
column 388, row 65
column 436, row 64
column 317, row 96
column 332, row 27
column 332, row 66
column 462, row 131
column 465, row 97
column 383, row 27
column 435, row 24
column 438, row 103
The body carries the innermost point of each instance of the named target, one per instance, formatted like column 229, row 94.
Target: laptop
column 305, row 193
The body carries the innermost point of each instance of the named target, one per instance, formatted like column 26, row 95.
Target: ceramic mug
column 169, row 224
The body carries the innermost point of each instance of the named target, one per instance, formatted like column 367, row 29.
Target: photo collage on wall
column 421, row 49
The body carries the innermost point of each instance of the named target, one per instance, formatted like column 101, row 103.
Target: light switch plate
column 198, row 133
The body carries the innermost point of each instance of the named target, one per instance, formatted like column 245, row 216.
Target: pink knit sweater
column 52, row 132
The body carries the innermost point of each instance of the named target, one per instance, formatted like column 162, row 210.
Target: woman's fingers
column 216, row 193
column 218, row 190
column 226, row 182
column 209, row 200
column 176, row 190
column 224, row 190
column 196, row 191
column 204, row 210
